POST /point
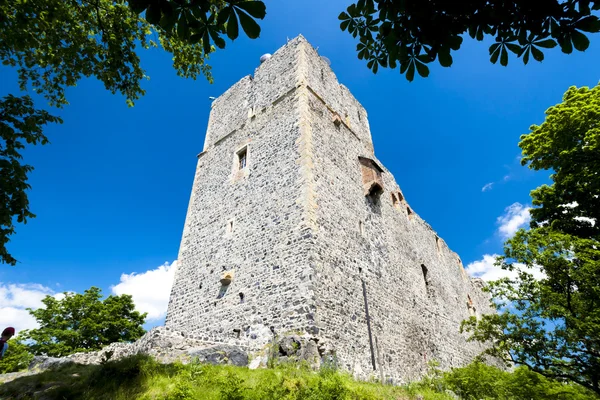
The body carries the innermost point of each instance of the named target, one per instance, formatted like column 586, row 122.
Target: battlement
column 295, row 65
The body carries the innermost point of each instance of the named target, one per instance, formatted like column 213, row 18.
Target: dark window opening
column 470, row 306
column 237, row 332
column 361, row 228
column 409, row 212
column 424, row 270
column 394, row 200
column 242, row 158
column 241, row 297
column 200, row 285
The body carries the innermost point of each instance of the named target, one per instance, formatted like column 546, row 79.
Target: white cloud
column 150, row 289
column 487, row 186
column 590, row 221
column 486, row 270
column 515, row 216
column 15, row 299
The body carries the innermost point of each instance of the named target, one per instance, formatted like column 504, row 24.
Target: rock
column 310, row 354
column 220, row 354
column 43, row 362
column 289, row 345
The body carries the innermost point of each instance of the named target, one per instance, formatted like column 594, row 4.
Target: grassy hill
column 140, row 377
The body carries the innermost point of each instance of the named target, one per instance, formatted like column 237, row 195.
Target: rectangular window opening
column 424, row 270
column 242, row 158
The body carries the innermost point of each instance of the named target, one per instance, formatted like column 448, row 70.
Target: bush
column 16, row 358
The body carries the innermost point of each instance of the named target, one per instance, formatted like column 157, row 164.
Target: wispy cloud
column 487, row 186
column 514, row 172
column 150, row 289
column 515, row 216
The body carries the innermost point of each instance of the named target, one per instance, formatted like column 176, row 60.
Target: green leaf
column 455, row 42
column 526, row 55
column 422, row 69
column 580, row 41
column 504, row 57
column 515, row 48
column 343, row 16
column 494, row 52
column 257, row 9
column 547, row 44
column 344, row 25
column 232, row 26
column 410, row 72
column 537, row 54
column 219, row 41
column 445, row 58
column 588, row 24
column 183, row 28
column 565, row 44
column 206, row 42
column 138, row 6
column 153, row 13
column 249, row 25
column 224, row 15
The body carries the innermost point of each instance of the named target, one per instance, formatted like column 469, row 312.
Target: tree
column 83, row 322
column 414, row 33
column 20, row 123
column 17, row 357
column 52, row 44
column 552, row 325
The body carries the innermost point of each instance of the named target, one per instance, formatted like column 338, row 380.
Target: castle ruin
column 294, row 225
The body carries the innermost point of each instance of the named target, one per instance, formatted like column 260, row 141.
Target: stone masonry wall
column 268, row 248
column 308, row 248
column 372, row 240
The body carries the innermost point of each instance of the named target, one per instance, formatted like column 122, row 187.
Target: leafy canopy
column 83, row 322
column 203, row 21
column 552, row 325
column 52, row 44
column 414, row 33
column 20, row 124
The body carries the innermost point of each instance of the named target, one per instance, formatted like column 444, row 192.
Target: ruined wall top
column 293, row 65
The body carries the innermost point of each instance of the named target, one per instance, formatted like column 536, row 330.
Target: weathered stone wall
column 308, row 247
column 268, row 248
column 411, row 322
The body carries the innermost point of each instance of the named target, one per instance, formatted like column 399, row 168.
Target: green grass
column 141, row 377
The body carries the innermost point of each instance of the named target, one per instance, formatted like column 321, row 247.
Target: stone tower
column 294, row 225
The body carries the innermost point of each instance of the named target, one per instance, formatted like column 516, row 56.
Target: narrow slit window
column 230, row 227
column 470, row 306
column 424, row 271
column 361, row 229
column 409, row 212
column 242, row 158
column 394, row 200
column 241, row 297
column 438, row 245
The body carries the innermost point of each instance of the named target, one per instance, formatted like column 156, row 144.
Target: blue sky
column 111, row 190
